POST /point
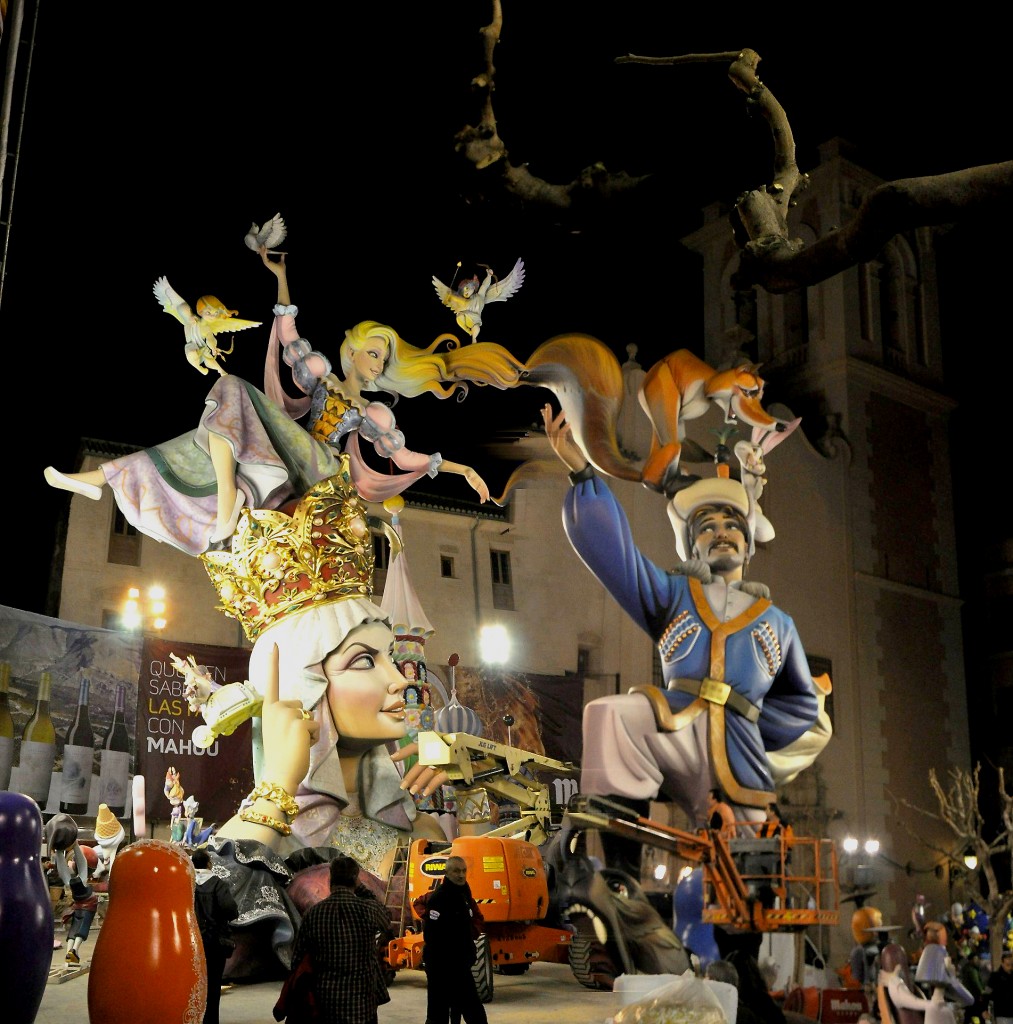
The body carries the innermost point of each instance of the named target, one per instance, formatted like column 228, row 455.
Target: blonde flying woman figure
column 333, row 711
column 248, row 450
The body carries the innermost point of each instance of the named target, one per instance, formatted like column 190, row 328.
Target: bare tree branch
column 483, row 147
column 777, row 264
column 960, row 811
column 774, row 261
column 770, row 258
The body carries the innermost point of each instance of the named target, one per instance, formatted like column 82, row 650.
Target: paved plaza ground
column 546, row 993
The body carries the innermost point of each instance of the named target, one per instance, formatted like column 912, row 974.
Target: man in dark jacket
column 1000, row 990
column 450, row 926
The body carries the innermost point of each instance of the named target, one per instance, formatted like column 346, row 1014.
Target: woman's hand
column 477, row 483
column 288, row 734
column 277, row 267
column 446, row 466
column 420, row 778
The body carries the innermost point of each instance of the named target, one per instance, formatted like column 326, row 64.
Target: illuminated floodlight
column 660, row 870
column 850, row 844
column 494, row 645
column 871, row 846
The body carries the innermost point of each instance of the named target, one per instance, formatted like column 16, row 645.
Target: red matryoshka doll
column 148, row 966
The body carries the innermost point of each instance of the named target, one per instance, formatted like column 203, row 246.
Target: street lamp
column 861, row 869
column 494, row 645
column 152, row 608
column 970, row 860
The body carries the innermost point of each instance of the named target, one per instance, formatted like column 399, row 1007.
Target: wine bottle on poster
column 38, row 747
column 6, row 727
column 78, row 757
column 114, row 758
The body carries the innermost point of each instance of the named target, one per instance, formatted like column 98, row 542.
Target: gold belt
column 717, row 692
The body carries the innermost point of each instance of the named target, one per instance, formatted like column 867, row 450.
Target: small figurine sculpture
column 753, row 468
column 223, row 709
column 194, row 833
column 79, row 915
column 470, row 298
column 109, row 834
column 201, row 348
column 173, row 790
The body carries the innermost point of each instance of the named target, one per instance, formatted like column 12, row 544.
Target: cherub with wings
column 469, row 298
column 201, row 349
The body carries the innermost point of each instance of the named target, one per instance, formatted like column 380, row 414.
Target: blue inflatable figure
column 687, row 907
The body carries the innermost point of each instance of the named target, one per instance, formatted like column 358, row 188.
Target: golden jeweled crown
column 282, row 563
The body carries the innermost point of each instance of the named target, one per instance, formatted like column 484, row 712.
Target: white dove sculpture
column 271, row 234
column 470, row 298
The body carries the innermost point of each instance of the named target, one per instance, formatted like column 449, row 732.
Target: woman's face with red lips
column 364, row 690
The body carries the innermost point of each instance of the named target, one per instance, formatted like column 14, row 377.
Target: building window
column 124, row 541
column 583, row 660
column 446, row 567
column 381, row 560
column 502, row 585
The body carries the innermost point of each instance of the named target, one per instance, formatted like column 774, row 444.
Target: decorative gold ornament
column 276, row 795
column 307, row 554
column 281, row 827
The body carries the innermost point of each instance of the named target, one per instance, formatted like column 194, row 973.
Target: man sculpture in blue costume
column 740, row 709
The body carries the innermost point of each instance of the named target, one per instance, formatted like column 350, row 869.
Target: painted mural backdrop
column 546, row 711
column 86, row 669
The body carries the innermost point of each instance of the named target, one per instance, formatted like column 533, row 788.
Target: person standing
column 970, row 976
column 720, row 817
column 724, row 971
column 215, row 909
column 450, row 926
column 340, row 935
column 1000, row 990
column 773, row 824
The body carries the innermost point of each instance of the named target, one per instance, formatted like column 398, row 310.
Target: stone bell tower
column 861, row 496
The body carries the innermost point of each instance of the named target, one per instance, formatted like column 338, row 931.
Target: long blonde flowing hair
column 412, row 371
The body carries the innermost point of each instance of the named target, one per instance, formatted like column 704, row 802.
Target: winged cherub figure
column 469, row 298
column 201, row 349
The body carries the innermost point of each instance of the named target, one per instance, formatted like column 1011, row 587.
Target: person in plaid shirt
column 340, row 935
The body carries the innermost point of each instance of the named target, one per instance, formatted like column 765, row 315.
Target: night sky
column 150, row 146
